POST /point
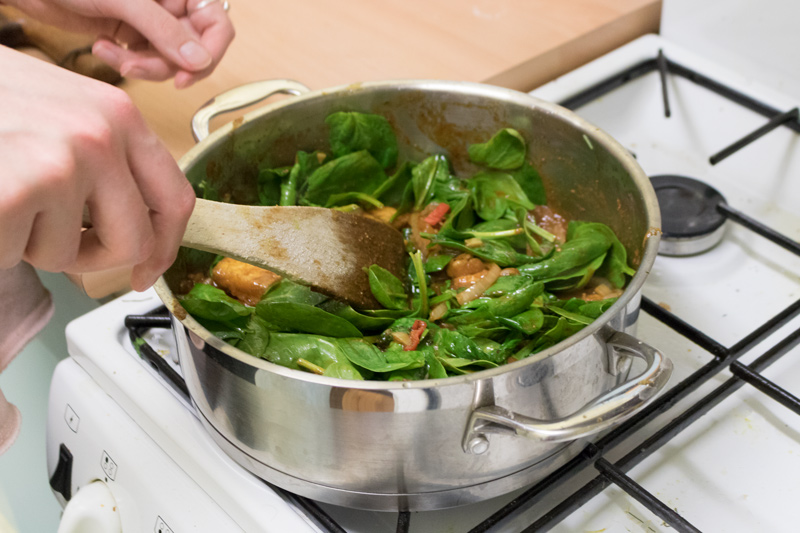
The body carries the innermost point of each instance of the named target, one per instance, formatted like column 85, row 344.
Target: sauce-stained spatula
column 323, row 248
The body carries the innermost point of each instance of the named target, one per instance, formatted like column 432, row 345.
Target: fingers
column 170, row 200
column 121, row 232
column 206, row 32
column 67, row 142
column 130, row 63
column 166, row 34
column 216, row 34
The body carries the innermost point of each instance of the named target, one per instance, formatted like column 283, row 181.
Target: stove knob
column 91, row 510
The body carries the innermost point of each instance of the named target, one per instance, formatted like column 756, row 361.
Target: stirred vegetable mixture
column 494, row 274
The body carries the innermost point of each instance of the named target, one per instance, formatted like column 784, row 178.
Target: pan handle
column 239, row 97
column 599, row 414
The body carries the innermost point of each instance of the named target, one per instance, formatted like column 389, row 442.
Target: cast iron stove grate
column 595, row 454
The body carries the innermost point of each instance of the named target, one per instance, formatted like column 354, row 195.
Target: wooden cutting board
column 519, row 44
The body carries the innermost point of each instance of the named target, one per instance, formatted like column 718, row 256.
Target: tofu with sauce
column 246, row 283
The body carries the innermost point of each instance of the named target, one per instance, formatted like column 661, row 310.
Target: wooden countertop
column 519, row 44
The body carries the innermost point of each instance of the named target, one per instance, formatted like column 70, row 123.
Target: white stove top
column 733, row 470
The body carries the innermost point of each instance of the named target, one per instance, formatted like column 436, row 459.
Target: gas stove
column 719, row 450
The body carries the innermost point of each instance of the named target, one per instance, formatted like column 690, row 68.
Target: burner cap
column 690, row 221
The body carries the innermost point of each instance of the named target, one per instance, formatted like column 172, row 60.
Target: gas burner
column 690, row 219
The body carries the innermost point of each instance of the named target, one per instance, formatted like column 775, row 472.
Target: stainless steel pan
column 428, row 444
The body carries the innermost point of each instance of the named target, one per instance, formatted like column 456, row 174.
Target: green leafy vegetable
column 504, row 151
column 352, row 132
column 297, row 176
column 495, row 192
column 356, row 172
column 386, row 288
column 424, row 177
column 437, row 263
column 531, row 183
column 426, row 328
column 211, row 303
column 366, row 355
column 305, row 318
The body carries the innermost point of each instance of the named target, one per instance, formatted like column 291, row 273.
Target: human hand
column 145, row 39
column 68, row 141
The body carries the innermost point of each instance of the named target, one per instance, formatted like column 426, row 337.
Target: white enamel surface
column 736, row 469
column 175, row 435
column 92, row 510
column 758, row 39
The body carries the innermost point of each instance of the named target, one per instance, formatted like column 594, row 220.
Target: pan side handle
column 238, row 98
column 599, row 414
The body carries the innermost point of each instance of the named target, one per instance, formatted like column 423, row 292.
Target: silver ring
column 205, row 3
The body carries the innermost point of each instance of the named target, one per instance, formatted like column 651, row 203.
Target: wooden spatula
column 323, row 248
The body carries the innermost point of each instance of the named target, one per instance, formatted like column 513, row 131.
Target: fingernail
column 196, row 55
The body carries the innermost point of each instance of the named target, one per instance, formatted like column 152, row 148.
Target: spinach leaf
column 494, row 192
column 256, row 336
column 498, row 352
column 297, row 178
column 461, row 366
column 495, row 251
column 507, row 305
column 408, row 374
column 269, row 185
column 366, row 355
column 433, row 169
column 615, row 267
column 505, row 150
column 531, row 183
column 352, row 131
column 575, row 278
column 386, row 288
column 435, row 368
column 394, row 314
column 419, row 285
column 231, row 331
column 356, row 172
column 411, row 358
column 363, row 322
column 575, row 317
column 343, row 370
column 556, row 331
column 289, row 291
column 462, row 216
column 353, row 198
column 588, row 310
column 391, row 191
column 502, row 228
column 290, row 316
column 454, row 344
column 437, row 263
column 505, row 285
column 449, row 189
column 585, row 245
column 286, row 348
column 596, row 308
column 211, row 303
column 528, row 322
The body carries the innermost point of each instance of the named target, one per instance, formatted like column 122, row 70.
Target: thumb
column 166, row 34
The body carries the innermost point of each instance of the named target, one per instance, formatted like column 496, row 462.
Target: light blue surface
column 26, row 500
